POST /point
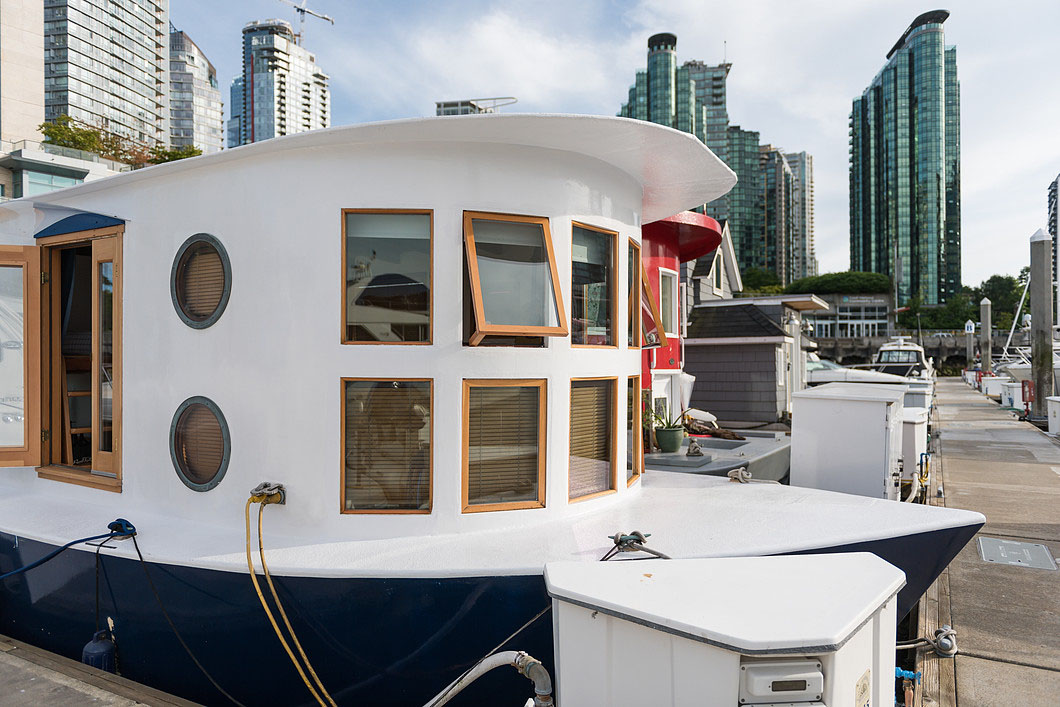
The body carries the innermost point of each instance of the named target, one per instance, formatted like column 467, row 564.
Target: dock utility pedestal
column 785, row 630
column 847, row 437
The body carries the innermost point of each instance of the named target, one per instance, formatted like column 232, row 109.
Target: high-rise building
column 1053, row 224
column 282, row 90
column 905, row 167
column 472, row 106
column 27, row 166
column 235, row 106
column 776, row 248
column 196, row 113
column 106, row 65
column 804, row 252
column 692, row 97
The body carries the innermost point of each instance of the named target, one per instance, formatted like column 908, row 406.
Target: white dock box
column 914, row 440
column 1012, row 395
column 848, row 437
column 992, row 385
column 1052, row 409
column 723, row 632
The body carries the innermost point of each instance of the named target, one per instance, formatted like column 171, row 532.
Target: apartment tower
column 196, row 113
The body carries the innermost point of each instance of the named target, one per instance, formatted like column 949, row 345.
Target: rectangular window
column 634, row 430
column 504, row 445
column 668, row 301
column 633, row 279
column 512, row 275
column 652, row 335
column 386, row 276
column 716, row 273
column 592, row 437
column 19, row 355
column 386, row 446
column 592, row 286
column 83, row 320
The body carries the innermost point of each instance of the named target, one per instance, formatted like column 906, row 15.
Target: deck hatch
column 1013, row 552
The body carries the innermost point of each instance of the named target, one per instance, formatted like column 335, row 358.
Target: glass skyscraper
column 196, row 114
column 777, row 247
column 692, row 98
column 905, row 167
column 282, row 90
column 105, row 65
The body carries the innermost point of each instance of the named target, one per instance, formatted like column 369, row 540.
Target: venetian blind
column 199, row 444
column 590, row 437
column 388, row 438
column 503, row 444
column 201, row 281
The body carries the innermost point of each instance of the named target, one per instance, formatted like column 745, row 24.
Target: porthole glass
column 201, row 280
column 199, row 443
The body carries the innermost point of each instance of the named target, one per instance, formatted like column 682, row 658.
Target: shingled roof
column 745, row 320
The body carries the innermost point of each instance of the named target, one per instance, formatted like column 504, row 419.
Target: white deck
column 687, row 515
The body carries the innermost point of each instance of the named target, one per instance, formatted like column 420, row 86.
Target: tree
column 67, row 132
column 64, row 131
column 761, row 280
column 847, row 283
column 161, row 154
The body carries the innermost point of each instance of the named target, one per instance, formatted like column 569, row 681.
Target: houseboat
column 417, row 334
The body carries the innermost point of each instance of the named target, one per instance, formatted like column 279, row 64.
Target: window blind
column 202, row 281
column 388, row 445
column 591, row 444
column 503, row 455
column 199, row 444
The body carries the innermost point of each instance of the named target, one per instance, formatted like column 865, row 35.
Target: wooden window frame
column 634, row 320
column 482, row 329
column 612, row 431
column 27, row 258
column 465, row 442
column 613, row 294
column 646, row 290
column 109, row 239
column 342, row 452
column 675, row 296
column 638, row 431
column 430, row 279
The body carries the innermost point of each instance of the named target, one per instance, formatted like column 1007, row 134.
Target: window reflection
column 591, row 290
column 388, row 277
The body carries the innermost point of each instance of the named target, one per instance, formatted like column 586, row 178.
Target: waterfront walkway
column 31, row 677
column 1007, row 617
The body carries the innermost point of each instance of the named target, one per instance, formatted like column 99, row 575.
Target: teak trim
column 430, row 279
column 465, row 441
column 611, row 290
column 675, row 301
column 106, row 245
column 647, row 292
column 482, row 329
column 633, row 321
column 342, row 452
column 637, row 430
column 612, row 431
column 27, row 259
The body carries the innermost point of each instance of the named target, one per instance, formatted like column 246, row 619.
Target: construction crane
column 302, row 11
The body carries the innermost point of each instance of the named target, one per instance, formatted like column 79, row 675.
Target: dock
column 1007, row 616
column 30, row 677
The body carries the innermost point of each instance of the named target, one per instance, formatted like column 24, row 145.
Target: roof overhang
column 43, row 162
column 674, row 169
column 696, row 234
column 800, row 303
column 736, row 340
column 39, row 220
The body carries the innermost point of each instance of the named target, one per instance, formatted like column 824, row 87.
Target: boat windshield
column 897, row 356
column 822, row 366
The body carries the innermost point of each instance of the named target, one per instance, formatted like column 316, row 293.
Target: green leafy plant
column 671, row 422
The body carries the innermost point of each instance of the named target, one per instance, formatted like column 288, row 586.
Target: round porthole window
column 201, row 280
column 199, row 443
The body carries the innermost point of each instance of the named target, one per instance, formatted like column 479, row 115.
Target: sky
column 797, row 65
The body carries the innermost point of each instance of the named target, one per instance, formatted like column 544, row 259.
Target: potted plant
column 669, row 431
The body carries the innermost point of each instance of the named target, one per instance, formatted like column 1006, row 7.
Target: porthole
column 199, row 443
column 201, row 281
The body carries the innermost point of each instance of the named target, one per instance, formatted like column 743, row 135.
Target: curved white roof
column 675, row 170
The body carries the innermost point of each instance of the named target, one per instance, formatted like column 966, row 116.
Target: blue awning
column 79, row 221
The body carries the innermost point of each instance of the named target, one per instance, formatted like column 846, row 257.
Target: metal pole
column 984, row 334
column 969, row 350
column 1041, row 281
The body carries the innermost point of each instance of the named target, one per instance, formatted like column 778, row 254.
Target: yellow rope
column 283, row 614
column 268, row 612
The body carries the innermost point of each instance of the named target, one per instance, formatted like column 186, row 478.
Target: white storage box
column 1052, row 407
column 721, row 632
column 914, row 440
column 1012, row 395
column 848, row 437
column 992, row 385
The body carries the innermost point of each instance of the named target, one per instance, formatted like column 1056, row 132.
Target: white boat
column 903, row 357
column 821, row 371
column 430, row 470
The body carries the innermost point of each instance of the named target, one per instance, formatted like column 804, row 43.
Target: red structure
column 665, row 245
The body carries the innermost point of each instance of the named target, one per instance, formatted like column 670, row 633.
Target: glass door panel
column 19, row 356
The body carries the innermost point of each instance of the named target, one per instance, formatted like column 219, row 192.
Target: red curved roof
column 696, row 234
